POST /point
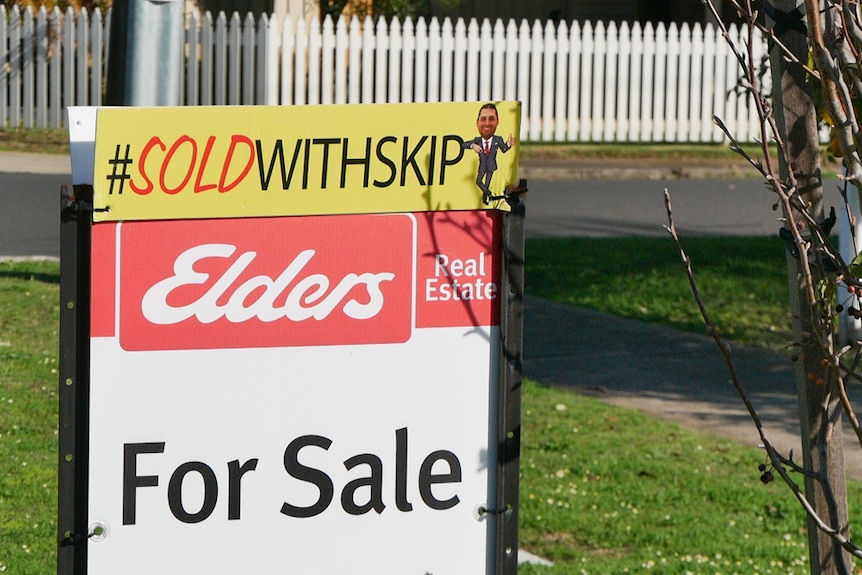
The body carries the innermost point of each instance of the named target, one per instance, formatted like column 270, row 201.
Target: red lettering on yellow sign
column 175, row 161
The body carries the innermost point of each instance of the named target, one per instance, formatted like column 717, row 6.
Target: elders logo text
column 247, row 283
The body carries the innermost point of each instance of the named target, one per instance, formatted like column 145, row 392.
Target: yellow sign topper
column 243, row 161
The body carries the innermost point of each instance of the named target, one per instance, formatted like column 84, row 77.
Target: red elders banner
column 293, row 281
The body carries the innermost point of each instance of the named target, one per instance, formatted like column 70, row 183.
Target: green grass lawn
column 742, row 280
column 603, row 491
column 29, row 296
column 607, row 490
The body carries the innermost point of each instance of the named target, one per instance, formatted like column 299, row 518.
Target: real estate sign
column 298, row 346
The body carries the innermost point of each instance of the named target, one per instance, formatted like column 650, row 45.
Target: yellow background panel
column 243, row 161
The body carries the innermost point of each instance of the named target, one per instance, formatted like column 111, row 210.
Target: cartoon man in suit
column 486, row 146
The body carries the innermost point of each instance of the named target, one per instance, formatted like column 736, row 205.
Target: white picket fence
column 577, row 82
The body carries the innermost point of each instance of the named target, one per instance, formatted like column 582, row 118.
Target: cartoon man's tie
column 487, row 148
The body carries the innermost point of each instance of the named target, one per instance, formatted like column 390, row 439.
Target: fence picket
column 29, row 76
column 327, row 62
column 447, row 44
column 368, row 41
column 598, row 55
column 68, row 60
column 533, row 102
column 207, row 61
column 408, row 58
column 476, row 74
column 246, row 58
column 698, row 82
column 41, row 107
column 758, row 50
column 5, row 64
column 562, row 85
column 636, row 82
column 220, row 61
column 709, row 81
column 354, row 62
column 672, row 112
column 435, row 41
column 81, row 48
column 300, row 62
column 548, row 92
column 647, row 79
column 683, row 86
column 342, row 48
column 459, row 66
column 624, row 69
column 234, row 56
column 661, row 108
column 420, row 93
column 261, row 55
column 193, row 44
column 396, row 46
column 15, row 67
column 381, row 61
column 586, row 107
column 270, row 43
column 500, row 65
column 609, row 110
column 314, row 55
column 573, row 114
column 511, row 78
column 56, row 113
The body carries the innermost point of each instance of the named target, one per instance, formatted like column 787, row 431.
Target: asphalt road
column 29, row 218
column 609, row 208
column 30, row 214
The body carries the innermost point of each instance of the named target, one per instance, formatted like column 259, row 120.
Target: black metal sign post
column 75, row 226
column 511, row 354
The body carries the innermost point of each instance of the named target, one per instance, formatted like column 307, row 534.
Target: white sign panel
column 301, row 394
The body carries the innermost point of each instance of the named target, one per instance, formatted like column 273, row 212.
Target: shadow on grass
column 42, row 277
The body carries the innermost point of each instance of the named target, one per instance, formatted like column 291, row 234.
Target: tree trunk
column 819, row 408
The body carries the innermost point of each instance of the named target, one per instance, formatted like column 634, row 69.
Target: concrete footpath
column 29, row 163
column 676, row 376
